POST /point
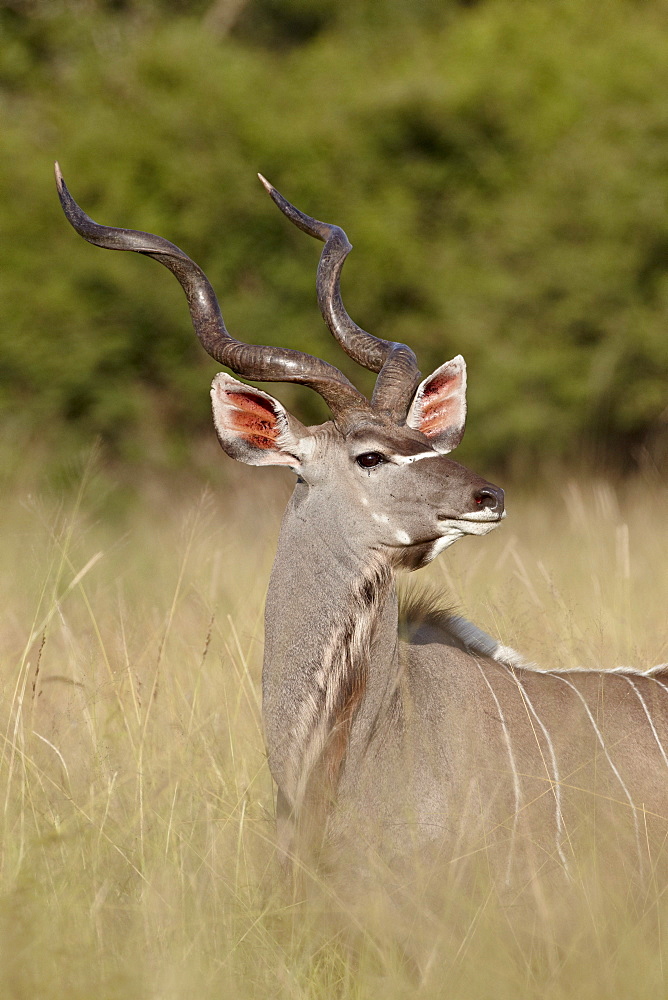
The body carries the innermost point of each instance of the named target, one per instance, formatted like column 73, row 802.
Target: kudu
column 442, row 742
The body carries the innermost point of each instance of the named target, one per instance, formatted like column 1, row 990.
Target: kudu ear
column 439, row 406
column 253, row 427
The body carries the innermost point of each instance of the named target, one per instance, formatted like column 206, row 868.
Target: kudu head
column 380, row 466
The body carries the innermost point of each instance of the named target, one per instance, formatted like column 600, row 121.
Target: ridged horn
column 396, row 363
column 263, row 364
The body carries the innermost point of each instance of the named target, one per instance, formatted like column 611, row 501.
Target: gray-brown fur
column 434, row 741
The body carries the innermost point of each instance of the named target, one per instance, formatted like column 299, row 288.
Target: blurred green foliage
column 501, row 166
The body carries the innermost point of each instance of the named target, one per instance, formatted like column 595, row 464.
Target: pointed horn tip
column 59, row 176
column 269, row 187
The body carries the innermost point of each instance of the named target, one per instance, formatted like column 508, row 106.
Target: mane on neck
column 338, row 689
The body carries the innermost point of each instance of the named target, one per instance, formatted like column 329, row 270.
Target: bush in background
column 501, row 167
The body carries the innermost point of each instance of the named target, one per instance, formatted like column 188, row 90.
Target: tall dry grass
column 135, row 802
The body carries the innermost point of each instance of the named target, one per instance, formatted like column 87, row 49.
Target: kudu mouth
column 477, row 517
column 453, row 526
column 489, row 510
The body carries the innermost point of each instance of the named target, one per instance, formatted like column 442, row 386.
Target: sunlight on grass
column 136, row 850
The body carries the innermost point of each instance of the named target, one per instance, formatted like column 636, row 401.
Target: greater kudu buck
column 444, row 742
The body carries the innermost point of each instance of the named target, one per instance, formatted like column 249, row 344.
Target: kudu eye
column 369, row 459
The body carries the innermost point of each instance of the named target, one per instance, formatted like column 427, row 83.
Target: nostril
column 490, row 497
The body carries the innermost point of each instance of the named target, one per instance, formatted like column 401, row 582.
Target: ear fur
column 438, row 409
column 253, row 427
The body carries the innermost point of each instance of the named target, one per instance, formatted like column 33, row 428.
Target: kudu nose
column 490, row 497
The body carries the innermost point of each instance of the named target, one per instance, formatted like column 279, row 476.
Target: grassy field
column 136, row 840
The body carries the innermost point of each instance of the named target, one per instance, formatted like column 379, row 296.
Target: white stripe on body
column 513, row 765
column 656, row 680
column 609, row 760
column 555, row 780
column 649, row 718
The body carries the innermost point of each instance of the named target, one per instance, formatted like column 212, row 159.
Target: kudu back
column 443, row 744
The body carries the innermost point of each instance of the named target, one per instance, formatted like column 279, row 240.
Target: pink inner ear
column 441, row 404
column 254, row 420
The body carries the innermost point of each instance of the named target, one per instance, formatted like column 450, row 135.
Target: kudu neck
column 330, row 637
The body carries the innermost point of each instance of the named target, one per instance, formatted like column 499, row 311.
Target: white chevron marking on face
column 409, row 459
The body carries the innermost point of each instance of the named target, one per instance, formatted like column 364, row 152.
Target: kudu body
column 444, row 742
